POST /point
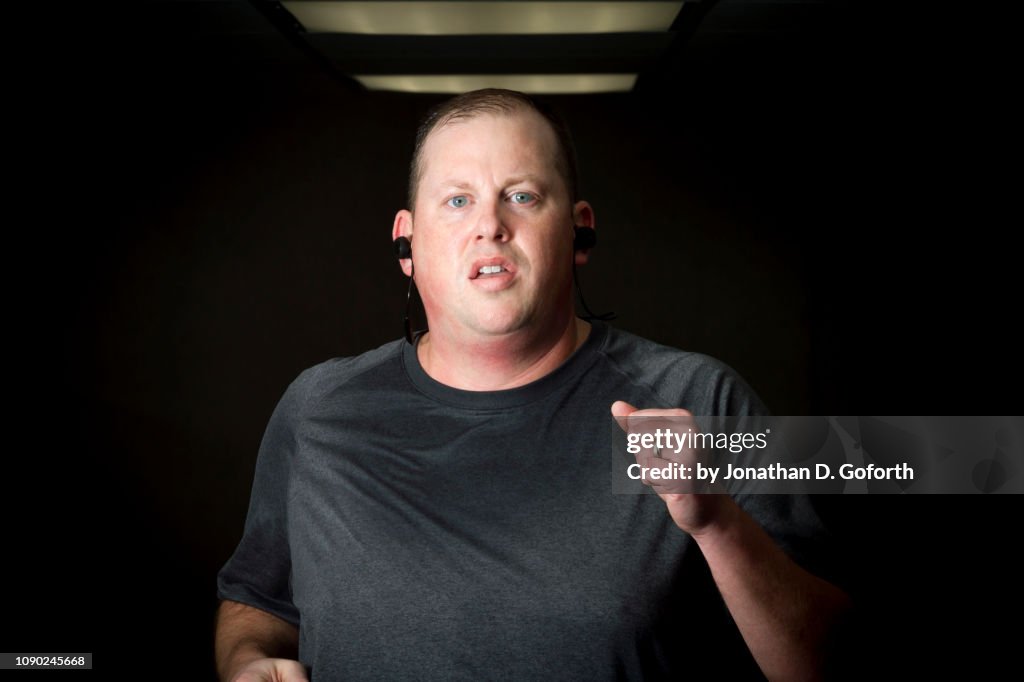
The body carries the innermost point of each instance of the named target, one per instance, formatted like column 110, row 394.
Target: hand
column 695, row 513
column 271, row 670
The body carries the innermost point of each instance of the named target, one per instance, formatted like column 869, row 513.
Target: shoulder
column 696, row 381
column 322, row 379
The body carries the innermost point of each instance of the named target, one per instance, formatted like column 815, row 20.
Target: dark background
column 191, row 225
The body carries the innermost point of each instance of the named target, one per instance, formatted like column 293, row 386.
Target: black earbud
column 403, row 248
column 583, row 238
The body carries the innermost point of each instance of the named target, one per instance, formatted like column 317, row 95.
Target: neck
column 500, row 362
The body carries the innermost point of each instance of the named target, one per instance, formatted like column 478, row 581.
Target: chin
column 504, row 321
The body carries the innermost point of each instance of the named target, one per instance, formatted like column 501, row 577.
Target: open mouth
column 487, row 268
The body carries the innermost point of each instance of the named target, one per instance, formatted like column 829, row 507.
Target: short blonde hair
column 494, row 101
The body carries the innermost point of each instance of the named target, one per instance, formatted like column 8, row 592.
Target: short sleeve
column 259, row 571
column 792, row 520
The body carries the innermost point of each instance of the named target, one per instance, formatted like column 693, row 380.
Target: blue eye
column 458, row 202
column 522, row 198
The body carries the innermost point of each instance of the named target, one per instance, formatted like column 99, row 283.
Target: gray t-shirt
column 416, row 531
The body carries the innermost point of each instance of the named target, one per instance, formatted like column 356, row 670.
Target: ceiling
column 698, row 35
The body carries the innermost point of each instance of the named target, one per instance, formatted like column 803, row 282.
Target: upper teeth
column 490, row 269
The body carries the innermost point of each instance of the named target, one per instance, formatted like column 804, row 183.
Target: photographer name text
column 771, row 472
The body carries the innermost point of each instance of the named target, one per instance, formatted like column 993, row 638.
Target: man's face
column 493, row 227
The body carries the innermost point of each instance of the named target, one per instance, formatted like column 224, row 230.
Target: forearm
column 786, row 615
column 245, row 634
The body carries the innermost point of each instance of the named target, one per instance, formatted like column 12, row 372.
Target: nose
column 490, row 226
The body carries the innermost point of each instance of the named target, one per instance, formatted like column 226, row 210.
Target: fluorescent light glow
column 566, row 84
column 461, row 18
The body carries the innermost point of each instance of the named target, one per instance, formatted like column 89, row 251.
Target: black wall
column 191, row 226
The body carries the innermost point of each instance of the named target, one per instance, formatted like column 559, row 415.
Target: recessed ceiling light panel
column 460, row 18
column 566, row 84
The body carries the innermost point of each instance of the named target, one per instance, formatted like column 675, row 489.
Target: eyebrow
column 454, row 183
column 461, row 184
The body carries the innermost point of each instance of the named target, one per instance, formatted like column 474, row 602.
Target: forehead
column 518, row 141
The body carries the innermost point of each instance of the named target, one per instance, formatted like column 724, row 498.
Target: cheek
column 436, row 268
column 557, row 255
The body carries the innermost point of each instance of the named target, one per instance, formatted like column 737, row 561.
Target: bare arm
column 786, row 615
column 252, row 645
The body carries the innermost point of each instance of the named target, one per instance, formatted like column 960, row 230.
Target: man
column 442, row 509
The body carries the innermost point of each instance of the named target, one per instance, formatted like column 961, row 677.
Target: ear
column 403, row 228
column 583, row 216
